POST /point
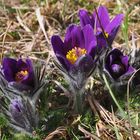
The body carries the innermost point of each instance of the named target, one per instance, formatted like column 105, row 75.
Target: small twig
column 88, row 134
column 66, row 92
column 59, row 131
column 22, row 24
column 92, row 105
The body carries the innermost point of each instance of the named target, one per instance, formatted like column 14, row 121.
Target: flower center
column 116, row 68
column 20, row 75
column 74, row 54
column 106, row 34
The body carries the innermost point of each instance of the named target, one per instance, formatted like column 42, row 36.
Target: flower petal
column 74, row 37
column 101, row 41
column 58, row 45
column 130, row 70
column 125, row 60
column 29, row 64
column 9, row 68
column 63, row 61
column 21, row 65
column 89, row 37
column 68, row 38
column 115, row 23
column 112, row 35
column 30, row 78
column 60, row 50
column 103, row 16
column 85, row 18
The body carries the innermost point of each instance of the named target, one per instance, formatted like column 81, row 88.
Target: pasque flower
column 110, row 26
column 22, row 115
column 117, row 65
column 76, row 55
column 77, row 42
column 18, row 72
column 16, row 108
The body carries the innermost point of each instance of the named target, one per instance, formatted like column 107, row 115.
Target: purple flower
column 117, row 64
column 22, row 114
column 18, row 72
column 76, row 55
column 77, row 42
column 110, row 26
column 16, row 108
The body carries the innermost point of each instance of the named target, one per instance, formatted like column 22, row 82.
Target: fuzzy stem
column 78, row 102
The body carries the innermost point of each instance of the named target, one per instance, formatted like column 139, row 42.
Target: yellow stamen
column 74, row 54
column 20, row 75
column 106, row 34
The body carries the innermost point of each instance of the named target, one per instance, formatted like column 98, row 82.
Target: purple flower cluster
column 84, row 47
column 78, row 53
column 96, row 32
column 87, row 47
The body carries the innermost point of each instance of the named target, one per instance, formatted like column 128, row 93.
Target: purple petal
column 64, row 62
column 30, row 78
column 114, row 23
column 60, row 50
column 85, row 18
column 89, row 37
column 103, row 16
column 74, row 37
column 112, row 35
column 58, row 45
column 130, row 70
column 9, row 68
column 101, row 41
column 68, row 38
column 21, row 65
column 124, row 60
column 29, row 64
